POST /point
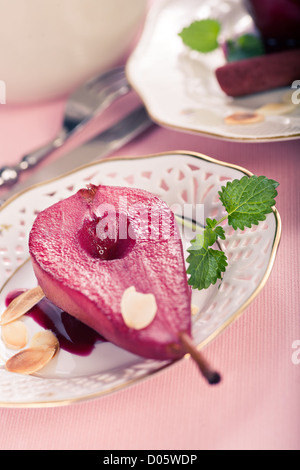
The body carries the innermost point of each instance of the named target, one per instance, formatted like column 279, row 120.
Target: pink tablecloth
column 257, row 405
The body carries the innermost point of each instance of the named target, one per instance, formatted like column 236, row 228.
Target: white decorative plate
column 178, row 86
column 181, row 179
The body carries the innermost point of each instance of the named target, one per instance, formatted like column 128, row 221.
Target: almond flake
column 194, row 309
column 138, row 309
column 44, row 338
column 21, row 305
column 15, row 335
column 29, row 361
column 244, row 118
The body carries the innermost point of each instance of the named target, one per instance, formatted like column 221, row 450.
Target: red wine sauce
column 73, row 335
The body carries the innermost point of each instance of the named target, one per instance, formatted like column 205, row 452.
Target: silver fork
column 97, row 148
column 85, row 103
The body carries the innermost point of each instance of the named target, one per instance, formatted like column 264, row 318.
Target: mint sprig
column 247, row 202
column 206, row 264
column 244, row 47
column 202, row 35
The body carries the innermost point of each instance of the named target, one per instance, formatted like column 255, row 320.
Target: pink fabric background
column 257, row 405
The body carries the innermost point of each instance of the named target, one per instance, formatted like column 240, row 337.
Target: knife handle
column 9, row 175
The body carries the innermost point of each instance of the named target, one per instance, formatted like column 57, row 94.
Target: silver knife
column 97, row 148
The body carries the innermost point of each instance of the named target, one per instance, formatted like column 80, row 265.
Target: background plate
column 178, row 86
column 181, row 180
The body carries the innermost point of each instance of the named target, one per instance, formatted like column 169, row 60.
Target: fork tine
column 95, row 95
column 115, row 75
column 107, row 91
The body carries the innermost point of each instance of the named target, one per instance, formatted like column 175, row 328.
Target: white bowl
column 47, row 48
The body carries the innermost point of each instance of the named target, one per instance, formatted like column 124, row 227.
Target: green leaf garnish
column 206, row 267
column 247, row 202
column 202, row 35
column 244, row 47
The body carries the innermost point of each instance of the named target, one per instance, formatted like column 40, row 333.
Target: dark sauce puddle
column 73, row 335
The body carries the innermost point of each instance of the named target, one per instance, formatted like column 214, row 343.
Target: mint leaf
column 205, row 264
column 220, row 232
column 203, row 240
column 205, row 267
column 244, row 47
column 202, row 35
column 248, row 200
column 208, row 237
column 211, row 223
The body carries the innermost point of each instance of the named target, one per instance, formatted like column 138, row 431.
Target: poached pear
column 113, row 258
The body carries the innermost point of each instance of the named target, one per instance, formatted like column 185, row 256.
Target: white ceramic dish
column 178, row 86
column 48, row 48
column 179, row 178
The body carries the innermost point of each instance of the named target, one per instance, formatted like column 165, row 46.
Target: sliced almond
column 244, row 118
column 138, row 309
column 44, row 338
column 29, row 361
column 15, row 335
column 194, row 309
column 273, row 109
column 21, row 305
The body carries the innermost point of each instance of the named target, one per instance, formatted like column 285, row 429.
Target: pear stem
column 213, row 377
